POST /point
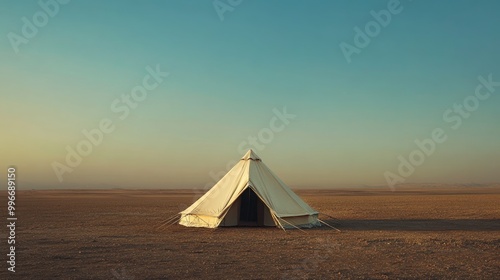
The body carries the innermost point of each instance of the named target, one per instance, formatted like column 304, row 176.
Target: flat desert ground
column 432, row 233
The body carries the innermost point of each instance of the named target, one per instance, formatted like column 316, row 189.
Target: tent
column 250, row 195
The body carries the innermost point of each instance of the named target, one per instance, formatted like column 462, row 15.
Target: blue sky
column 226, row 76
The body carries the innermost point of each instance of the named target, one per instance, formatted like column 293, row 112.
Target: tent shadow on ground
column 416, row 224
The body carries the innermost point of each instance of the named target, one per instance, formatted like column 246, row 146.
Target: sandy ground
column 115, row 234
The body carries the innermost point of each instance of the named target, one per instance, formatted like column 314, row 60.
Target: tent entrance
column 251, row 209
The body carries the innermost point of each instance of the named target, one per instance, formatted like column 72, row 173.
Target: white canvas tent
column 250, row 194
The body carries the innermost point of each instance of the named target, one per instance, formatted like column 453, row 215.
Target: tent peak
column 250, row 155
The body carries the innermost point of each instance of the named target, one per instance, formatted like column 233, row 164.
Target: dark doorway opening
column 251, row 209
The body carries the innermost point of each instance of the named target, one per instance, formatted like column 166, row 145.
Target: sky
column 333, row 93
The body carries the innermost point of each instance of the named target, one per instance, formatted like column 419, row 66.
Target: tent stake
column 329, row 225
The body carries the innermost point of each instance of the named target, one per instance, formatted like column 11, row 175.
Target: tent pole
column 277, row 222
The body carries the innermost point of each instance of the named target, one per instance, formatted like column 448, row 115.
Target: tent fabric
column 285, row 208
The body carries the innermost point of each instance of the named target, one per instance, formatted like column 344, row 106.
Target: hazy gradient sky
column 352, row 120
